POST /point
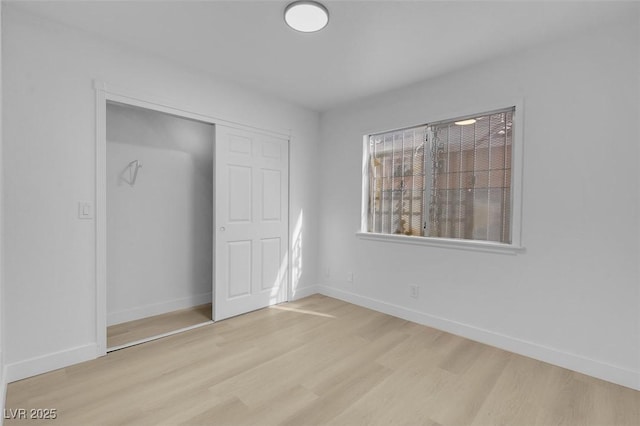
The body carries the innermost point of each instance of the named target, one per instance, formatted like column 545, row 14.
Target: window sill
column 450, row 243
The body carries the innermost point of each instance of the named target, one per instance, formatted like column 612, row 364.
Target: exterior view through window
column 450, row 179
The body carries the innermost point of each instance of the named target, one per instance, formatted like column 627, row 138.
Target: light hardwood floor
column 121, row 334
column 321, row 361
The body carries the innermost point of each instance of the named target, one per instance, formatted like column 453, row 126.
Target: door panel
column 271, row 195
column 240, row 260
column 271, row 150
column 239, row 144
column 270, row 249
column 251, row 223
column 240, row 194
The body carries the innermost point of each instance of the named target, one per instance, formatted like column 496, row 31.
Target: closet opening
column 159, row 224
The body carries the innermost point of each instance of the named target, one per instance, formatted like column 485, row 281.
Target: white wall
column 572, row 298
column 159, row 229
column 49, row 163
column 3, row 387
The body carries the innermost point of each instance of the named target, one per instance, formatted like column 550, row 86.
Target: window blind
column 450, row 179
column 397, row 182
column 471, row 178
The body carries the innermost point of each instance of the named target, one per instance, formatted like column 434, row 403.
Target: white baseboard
column 301, row 292
column 49, row 362
column 157, row 308
column 574, row 362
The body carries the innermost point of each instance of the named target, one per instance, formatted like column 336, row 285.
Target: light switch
column 85, row 210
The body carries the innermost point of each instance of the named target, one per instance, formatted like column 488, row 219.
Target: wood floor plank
column 404, row 397
column 353, row 385
column 461, row 399
column 516, row 396
column 320, row 361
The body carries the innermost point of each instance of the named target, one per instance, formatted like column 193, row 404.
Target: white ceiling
column 368, row 46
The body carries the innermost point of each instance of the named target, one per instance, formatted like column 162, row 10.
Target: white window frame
column 517, row 160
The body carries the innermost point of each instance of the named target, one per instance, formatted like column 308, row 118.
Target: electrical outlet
column 350, row 277
column 414, row 291
column 327, row 273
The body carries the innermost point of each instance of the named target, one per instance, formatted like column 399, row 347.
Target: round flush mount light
column 306, row 16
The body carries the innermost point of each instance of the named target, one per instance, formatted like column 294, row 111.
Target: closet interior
column 159, row 224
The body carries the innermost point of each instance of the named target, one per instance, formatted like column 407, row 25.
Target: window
column 449, row 180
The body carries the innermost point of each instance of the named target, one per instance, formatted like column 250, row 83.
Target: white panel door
column 251, row 223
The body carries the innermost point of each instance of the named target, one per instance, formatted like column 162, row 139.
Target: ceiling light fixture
column 306, row 16
column 466, row 122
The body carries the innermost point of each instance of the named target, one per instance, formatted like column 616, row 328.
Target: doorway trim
column 104, row 94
